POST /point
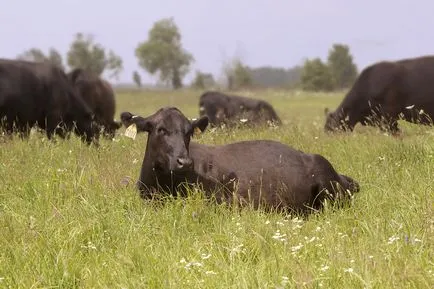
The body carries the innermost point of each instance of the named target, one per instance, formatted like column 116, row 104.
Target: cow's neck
column 151, row 178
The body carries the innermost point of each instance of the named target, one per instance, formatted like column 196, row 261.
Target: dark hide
column 230, row 109
column 39, row 93
column 385, row 92
column 99, row 96
column 263, row 173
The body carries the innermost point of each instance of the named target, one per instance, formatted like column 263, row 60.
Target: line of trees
column 83, row 52
column 163, row 56
column 337, row 73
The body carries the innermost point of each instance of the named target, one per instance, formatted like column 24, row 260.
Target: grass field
column 70, row 216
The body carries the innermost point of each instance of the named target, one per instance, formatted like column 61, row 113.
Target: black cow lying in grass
column 231, row 109
column 263, row 173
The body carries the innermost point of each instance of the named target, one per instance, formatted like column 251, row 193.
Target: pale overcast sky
column 274, row 32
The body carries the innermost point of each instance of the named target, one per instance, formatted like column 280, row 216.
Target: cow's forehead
column 172, row 118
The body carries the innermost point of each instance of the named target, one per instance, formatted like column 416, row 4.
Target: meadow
column 71, row 217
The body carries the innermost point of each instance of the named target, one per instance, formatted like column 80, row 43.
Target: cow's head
column 335, row 121
column 79, row 112
column 169, row 134
column 85, row 127
column 111, row 128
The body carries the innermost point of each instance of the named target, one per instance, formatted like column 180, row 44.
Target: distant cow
column 268, row 172
column 99, row 96
column 386, row 91
column 39, row 93
column 231, row 109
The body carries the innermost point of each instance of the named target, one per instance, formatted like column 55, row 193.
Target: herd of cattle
column 261, row 173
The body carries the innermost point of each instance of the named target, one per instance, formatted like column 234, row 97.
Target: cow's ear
column 326, row 110
column 200, row 123
column 142, row 123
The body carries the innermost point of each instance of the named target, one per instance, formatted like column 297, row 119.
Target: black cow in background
column 386, row 91
column 99, row 96
column 39, row 93
column 260, row 172
column 231, row 109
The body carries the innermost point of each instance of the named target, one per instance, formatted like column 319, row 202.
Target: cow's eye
column 162, row 131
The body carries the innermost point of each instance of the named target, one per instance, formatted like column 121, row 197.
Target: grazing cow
column 263, row 173
column 386, row 91
column 39, row 93
column 99, row 96
column 230, row 109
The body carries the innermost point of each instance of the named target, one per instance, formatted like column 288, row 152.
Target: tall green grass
column 70, row 216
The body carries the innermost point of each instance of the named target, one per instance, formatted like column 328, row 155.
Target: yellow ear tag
column 197, row 130
column 131, row 131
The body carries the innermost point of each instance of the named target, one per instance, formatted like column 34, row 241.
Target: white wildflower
column 324, row 268
column 392, row 239
column 294, row 249
column 205, row 256
column 267, row 222
column 349, row 270
column 237, row 249
column 297, row 220
column 193, row 264
column 280, row 237
column 285, row 280
column 310, row 240
column 89, row 245
column 297, row 226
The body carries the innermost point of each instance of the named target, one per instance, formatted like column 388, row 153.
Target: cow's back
column 96, row 92
column 109, row 101
column 419, row 81
column 408, row 81
column 22, row 93
column 265, row 169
